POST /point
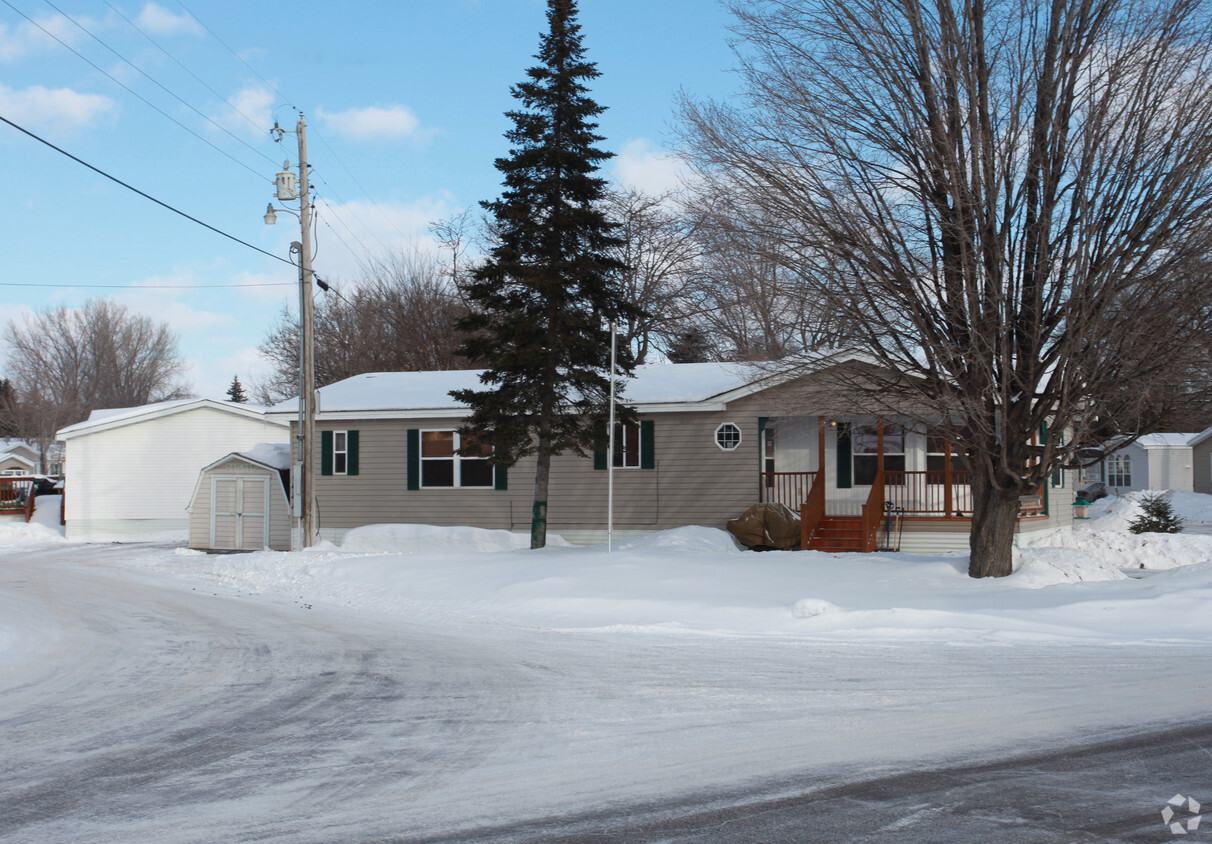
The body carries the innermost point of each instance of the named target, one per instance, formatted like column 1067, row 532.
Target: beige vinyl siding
column 200, row 520
column 693, row 482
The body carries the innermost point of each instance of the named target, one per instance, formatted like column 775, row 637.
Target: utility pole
column 304, row 528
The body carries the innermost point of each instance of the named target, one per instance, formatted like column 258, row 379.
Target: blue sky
column 405, row 104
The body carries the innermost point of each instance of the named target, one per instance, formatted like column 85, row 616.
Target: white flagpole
column 610, row 451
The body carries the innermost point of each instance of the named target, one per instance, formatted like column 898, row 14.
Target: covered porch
column 850, row 477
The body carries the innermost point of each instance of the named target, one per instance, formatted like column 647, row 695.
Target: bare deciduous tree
column 400, row 317
column 659, row 255
column 67, row 362
column 1010, row 199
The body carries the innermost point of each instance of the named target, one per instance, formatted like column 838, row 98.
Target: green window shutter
column 647, row 444
column 326, row 452
column 351, row 457
column 500, row 478
column 414, row 458
column 599, row 460
column 843, row 456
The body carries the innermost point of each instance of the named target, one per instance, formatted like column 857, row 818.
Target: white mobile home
column 132, row 471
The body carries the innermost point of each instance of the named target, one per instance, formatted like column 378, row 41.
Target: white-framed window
column 728, row 436
column 454, row 461
column 626, row 445
column 1119, row 470
column 340, row 452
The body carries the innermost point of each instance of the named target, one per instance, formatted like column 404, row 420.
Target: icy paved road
column 134, row 708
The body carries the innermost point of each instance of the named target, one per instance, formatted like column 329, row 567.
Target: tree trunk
column 991, row 541
column 542, row 473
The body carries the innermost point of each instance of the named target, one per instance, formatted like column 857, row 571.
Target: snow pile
column 1104, row 541
column 19, row 534
column 695, row 581
column 415, row 539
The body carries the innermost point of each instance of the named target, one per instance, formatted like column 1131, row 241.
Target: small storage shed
column 240, row 502
column 130, row 472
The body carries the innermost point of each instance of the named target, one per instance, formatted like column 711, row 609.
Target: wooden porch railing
column 790, row 488
column 17, row 496
column 873, row 510
column 812, row 510
column 928, row 493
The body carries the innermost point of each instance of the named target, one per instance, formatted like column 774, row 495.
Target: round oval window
column 728, row 436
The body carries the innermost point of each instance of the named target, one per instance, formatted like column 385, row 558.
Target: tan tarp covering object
column 771, row 525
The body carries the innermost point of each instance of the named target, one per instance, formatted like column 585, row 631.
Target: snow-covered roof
column 654, row 387
column 417, row 392
column 271, row 455
column 1165, row 440
column 100, row 420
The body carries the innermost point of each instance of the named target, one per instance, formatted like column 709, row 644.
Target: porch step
column 838, row 533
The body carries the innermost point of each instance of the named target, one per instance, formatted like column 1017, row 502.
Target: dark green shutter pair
column 647, row 448
column 500, row 475
column 351, row 452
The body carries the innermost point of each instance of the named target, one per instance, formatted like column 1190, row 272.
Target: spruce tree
column 235, row 392
column 542, row 299
column 1156, row 516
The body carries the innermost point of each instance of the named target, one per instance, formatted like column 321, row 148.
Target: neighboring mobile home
column 18, row 457
column 132, row 471
column 1154, row 461
column 713, row 439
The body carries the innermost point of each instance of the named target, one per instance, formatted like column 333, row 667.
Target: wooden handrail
column 790, row 488
column 873, row 511
column 17, row 496
column 812, row 510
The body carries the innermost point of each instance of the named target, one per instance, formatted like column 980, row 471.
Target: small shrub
column 1157, row 516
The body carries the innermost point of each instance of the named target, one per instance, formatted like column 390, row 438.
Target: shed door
column 239, row 509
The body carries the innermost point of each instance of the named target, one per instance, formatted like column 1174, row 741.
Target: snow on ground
column 1095, row 582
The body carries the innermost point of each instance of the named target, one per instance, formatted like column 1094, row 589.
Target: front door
column 239, row 509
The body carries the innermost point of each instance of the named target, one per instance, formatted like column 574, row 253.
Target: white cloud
column 354, row 232
column 373, row 123
column 157, row 20
column 249, row 112
column 641, row 166
column 54, row 109
column 25, row 38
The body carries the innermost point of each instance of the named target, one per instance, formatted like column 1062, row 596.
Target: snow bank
column 696, row 581
column 415, row 539
column 19, row 534
column 1094, row 582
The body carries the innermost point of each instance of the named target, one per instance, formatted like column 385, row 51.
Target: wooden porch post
column 820, row 449
column 947, row 499
column 879, row 447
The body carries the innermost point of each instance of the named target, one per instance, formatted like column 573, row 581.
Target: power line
column 239, row 58
column 139, row 70
column 195, row 76
column 149, row 286
column 148, row 196
column 323, row 140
